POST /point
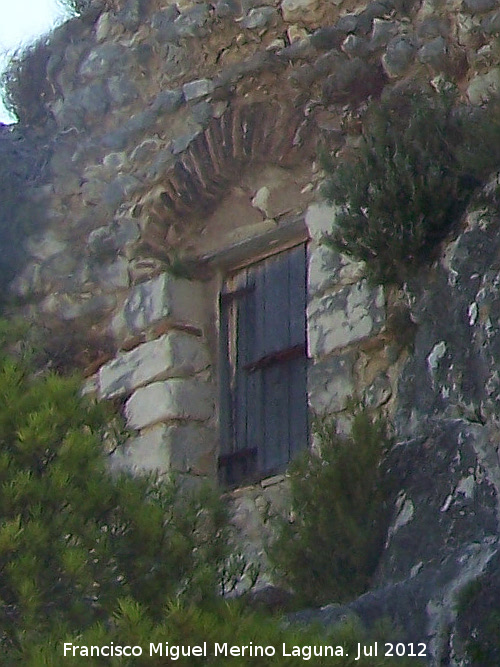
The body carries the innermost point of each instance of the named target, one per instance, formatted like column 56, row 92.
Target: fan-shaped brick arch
column 245, row 134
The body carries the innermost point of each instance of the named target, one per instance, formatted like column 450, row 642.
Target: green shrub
column 419, row 160
column 227, row 623
column 330, row 549
column 74, row 540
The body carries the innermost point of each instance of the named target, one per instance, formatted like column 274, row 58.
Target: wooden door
column 263, row 379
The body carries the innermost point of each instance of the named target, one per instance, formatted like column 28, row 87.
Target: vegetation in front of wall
column 420, row 158
column 75, row 540
column 225, row 632
column 88, row 559
column 478, row 620
column 329, row 549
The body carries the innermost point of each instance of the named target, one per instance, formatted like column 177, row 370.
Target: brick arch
column 243, row 135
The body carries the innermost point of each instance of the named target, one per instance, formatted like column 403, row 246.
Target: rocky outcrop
column 446, row 466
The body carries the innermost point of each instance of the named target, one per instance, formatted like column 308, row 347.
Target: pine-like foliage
column 409, row 180
column 74, row 541
column 330, row 549
column 228, row 623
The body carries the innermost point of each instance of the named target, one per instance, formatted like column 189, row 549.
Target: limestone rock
column 484, row 87
column 331, row 383
column 260, row 17
column 328, row 268
column 172, row 355
column 163, row 449
column 170, row 400
column 398, row 56
column 196, row 89
column 178, row 299
column 295, row 9
column 352, row 314
column 320, row 219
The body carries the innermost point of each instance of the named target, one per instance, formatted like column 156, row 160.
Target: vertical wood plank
column 225, row 399
column 276, row 304
column 298, row 413
column 276, row 420
column 297, row 294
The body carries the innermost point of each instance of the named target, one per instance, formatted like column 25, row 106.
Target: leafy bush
column 330, row 550
column 419, row 160
column 74, row 540
column 91, row 559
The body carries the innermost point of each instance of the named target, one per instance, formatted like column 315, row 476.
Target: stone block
column 298, row 9
column 114, row 237
column 320, row 219
column 399, row 55
column 196, row 89
column 163, row 297
column 350, row 315
column 173, row 355
column 113, row 275
column 328, row 268
column 172, row 399
column 167, row 101
column 71, row 307
column 434, row 53
column 484, row 87
column 187, row 448
column 45, row 247
column 260, row 17
column 331, row 384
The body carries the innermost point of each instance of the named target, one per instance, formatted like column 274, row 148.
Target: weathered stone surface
column 170, row 400
column 424, row 566
column 260, row 17
column 120, row 189
column 167, row 101
column 68, row 307
column 177, row 299
column 113, row 276
column 355, row 80
column 476, row 6
column 294, row 9
column 196, row 89
column 434, row 53
column 165, row 448
column 352, row 314
column 175, row 354
column 328, row 268
column 484, row 87
column 108, row 240
column 191, row 23
column 379, row 391
column 104, row 60
column 331, row 384
column 398, row 56
column 45, row 246
column 491, row 23
column 320, row 219
column 122, row 90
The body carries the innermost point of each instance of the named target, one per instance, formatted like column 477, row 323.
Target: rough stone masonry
column 178, row 139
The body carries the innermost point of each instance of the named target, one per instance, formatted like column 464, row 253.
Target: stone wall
column 175, row 131
column 180, row 142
